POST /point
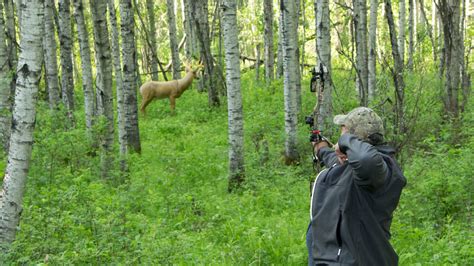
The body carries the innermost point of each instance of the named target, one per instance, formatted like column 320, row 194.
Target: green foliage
column 173, row 207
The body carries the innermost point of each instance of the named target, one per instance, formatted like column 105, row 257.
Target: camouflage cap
column 362, row 122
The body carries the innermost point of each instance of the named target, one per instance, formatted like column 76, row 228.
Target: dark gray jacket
column 352, row 205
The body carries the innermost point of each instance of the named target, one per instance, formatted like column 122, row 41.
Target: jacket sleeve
column 368, row 165
column 327, row 156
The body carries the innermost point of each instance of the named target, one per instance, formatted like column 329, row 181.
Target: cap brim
column 340, row 120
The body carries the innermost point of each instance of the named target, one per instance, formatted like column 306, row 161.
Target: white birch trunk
column 372, row 58
column 450, row 14
column 323, row 110
column 290, row 43
column 268, row 40
column 173, row 40
column 129, row 89
column 65, row 43
column 87, row 80
column 279, row 67
column 401, row 29
column 360, row 20
column 234, row 97
column 411, row 32
column 397, row 72
column 200, row 17
column 5, row 93
column 24, row 112
column 50, row 56
column 104, row 81
column 115, row 41
column 152, row 32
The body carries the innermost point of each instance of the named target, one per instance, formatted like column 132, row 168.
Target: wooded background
column 87, row 179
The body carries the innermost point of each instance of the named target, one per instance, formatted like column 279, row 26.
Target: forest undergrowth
column 173, row 206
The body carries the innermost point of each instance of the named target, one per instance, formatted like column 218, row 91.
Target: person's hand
column 341, row 157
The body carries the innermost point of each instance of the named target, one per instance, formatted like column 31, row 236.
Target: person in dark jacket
column 354, row 197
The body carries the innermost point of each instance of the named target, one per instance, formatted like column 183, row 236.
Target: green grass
column 174, row 208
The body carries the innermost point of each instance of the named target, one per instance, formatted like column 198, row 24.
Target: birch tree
column 11, row 40
column 323, row 109
column 290, row 43
column 234, row 97
column 103, row 81
column 279, row 66
column 50, row 56
column 173, row 40
column 122, row 136
column 450, row 14
column 360, row 21
column 401, row 29
column 372, row 57
column 24, row 112
column 65, row 43
column 191, row 45
column 397, row 71
column 5, row 92
column 411, row 32
column 200, row 18
column 268, row 40
column 129, row 89
column 83, row 37
column 153, row 45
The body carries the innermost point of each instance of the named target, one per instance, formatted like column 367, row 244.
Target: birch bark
column 173, row 40
column 323, row 110
column 65, row 43
column 104, row 82
column 290, row 43
column 83, row 36
column 234, row 97
column 154, row 47
column 372, row 57
column 129, row 89
column 115, row 42
column 24, row 112
column 268, row 40
column 5, row 79
column 50, row 56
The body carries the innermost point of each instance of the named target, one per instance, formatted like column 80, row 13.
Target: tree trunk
column 129, row 89
column 397, row 72
column 429, row 29
column 372, row 58
column 268, row 40
column 24, row 112
column 5, row 79
column 87, row 80
column 192, row 44
column 50, row 56
column 153, row 46
column 323, row 110
column 257, row 62
column 173, row 40
column 11, row 41
column 279, row 68
column 115, row 42
column 297, row 69
column 450, row 17
column 200, row 17
column 360, row 21
column 290, row 44
column 65, row 42
column 104, row 82
column 411, row 32
column 234, row 97
column 401, row 29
